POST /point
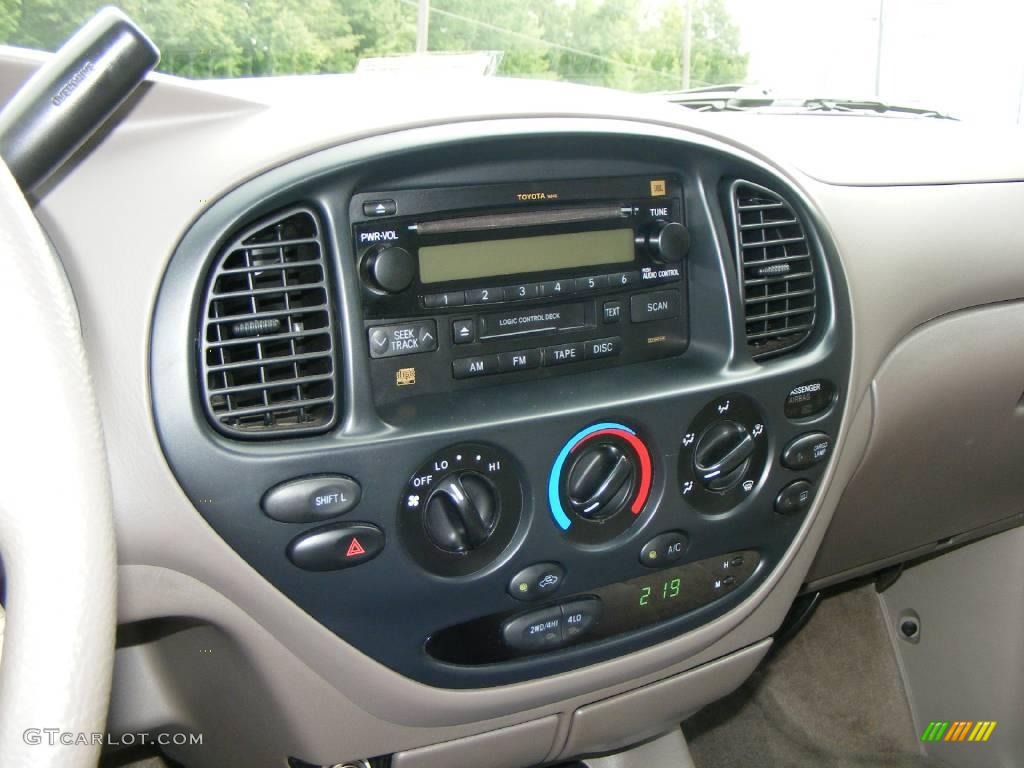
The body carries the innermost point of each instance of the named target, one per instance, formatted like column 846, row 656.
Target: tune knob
column 461, row 513
column 722, row 455
column 601, row 481
column 668, row 242
column 391, row 269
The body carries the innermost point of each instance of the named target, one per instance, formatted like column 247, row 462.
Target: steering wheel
column 56, row 531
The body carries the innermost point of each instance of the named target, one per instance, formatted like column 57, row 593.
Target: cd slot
column 494, row 221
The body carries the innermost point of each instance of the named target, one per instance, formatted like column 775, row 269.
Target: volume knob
column 391, row 269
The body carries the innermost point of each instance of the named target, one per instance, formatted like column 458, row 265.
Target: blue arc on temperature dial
column 554, row 501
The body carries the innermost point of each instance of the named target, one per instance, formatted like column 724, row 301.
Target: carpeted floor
column 830, row 698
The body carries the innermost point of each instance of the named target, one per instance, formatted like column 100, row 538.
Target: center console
column 498, row 409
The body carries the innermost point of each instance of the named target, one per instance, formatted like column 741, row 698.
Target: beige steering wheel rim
column 56, row 532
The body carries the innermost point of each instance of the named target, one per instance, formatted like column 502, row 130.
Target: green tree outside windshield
column 626, row 44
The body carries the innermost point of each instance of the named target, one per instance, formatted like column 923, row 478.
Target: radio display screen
column 492, row 258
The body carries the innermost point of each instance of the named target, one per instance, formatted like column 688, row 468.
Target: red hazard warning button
column 354, row 548
column 341, row 545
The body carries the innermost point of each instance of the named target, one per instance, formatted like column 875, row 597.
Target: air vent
column 267, row 362
column 777, row 270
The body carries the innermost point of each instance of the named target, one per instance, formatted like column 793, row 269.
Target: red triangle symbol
column 355, row 548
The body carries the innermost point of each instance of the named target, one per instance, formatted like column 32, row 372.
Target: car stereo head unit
column 478, row 273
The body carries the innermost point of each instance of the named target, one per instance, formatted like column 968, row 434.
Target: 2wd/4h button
column 535, row 631
column 660, row 305
column 337, row 546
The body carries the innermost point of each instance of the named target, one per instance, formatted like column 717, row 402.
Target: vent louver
column 776, row 269
column 267, row 344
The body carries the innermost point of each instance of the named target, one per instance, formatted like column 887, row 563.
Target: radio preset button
column 592, row 283
column 471, row 367
column 522, row 292
column 485, row 296
column 555, row 288
column 559, row 354
column 450, row 299
column 404, row 339
column 598, row 348
column 660, row 305
column 463, row 331
column 612, row 312
column 523, row 360
column 623, row 279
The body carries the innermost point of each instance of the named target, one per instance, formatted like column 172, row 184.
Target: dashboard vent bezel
column 777, row 270
column 281, row 350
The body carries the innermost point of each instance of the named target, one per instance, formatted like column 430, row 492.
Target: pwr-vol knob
column 460, row 509
column 600, row 482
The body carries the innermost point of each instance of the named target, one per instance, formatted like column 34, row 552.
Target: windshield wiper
column 739, row 98
column 879, row 107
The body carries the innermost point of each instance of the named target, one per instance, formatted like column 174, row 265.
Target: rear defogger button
column 526, row 322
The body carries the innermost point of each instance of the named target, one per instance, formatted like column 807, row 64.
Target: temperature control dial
column 722, row 454
column 460, row 509
column 600, row 483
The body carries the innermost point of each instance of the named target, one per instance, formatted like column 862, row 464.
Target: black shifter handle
column 72, row 95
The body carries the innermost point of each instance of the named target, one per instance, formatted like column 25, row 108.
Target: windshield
column 959, row 57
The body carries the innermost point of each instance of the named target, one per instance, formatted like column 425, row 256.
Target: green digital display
column 494, row 258
column 667, row 589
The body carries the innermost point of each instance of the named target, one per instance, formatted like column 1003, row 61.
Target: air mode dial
column 723, row 454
